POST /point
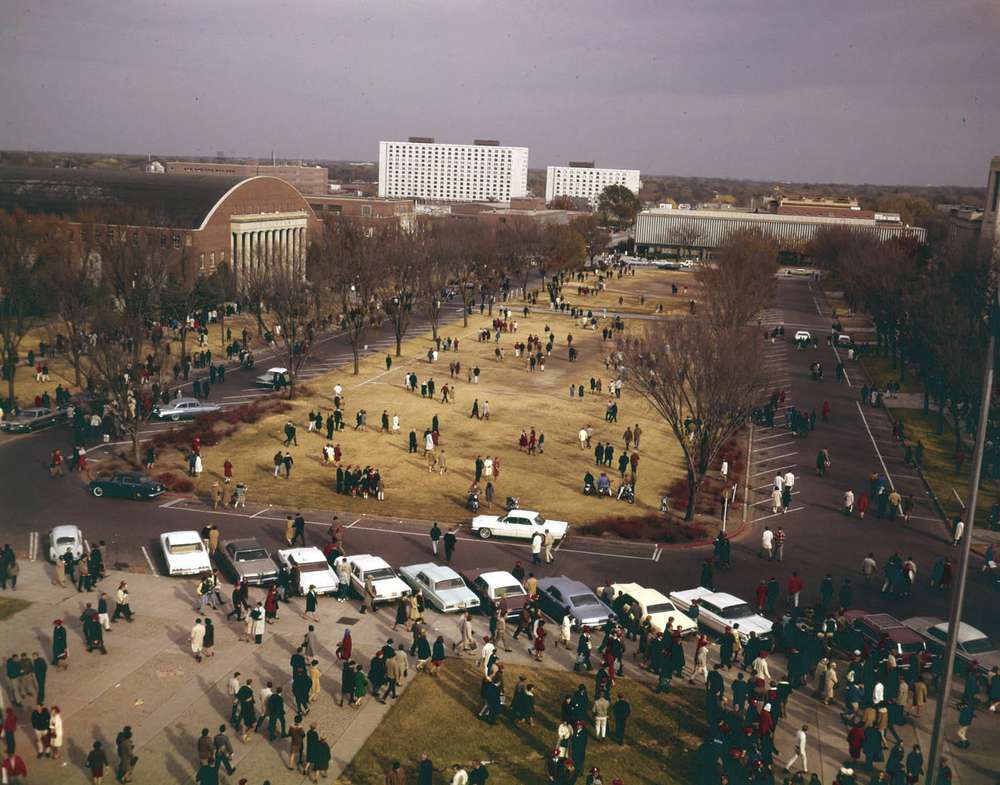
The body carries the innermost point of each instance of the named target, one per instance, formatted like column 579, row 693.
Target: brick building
column 370, row 210
column 307, row 179
column 201, row 221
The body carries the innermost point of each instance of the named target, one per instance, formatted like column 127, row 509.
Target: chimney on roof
column 486, row 142
column 421, row 139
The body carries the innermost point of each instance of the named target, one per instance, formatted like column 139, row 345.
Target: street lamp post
column 958, row 598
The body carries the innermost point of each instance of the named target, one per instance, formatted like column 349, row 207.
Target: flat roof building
column 659, row 230
column 307, row 179
column 585, row 181
column 424, row 169
column 366, row 209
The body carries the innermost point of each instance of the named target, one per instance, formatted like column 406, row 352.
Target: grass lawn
column 437, row 716
column 550, row 482
column 9, row 606
column 881, row 371
column 939, row 464
column 641, row 293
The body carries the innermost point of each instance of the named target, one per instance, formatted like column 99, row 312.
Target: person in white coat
column 566, row 631
column 197, row 639
column 55, row 732
column 800, row 749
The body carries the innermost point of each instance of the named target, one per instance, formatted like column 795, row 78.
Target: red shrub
column 183, row 485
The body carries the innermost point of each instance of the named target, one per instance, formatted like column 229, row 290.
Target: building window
column 201, row 262
column 211, row 260
column 163, row 241
column 177, row 241
column 366, row 211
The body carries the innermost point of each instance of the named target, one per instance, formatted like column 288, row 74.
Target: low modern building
column 585, row 181
column 669, row 231
column 366, row 209
column 200, row 221
column 307, row 179
column 421, row 168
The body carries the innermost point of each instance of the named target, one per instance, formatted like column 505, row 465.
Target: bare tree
column 563, row 249
column 474, row 247
column 595, row 237
column 739, row 283
column 22, row 242
column 356, row 281
column 702, row 380
column 289, row 306
column 74, row 289
column 127, row 360
column 432, row 240
column 686, row 235
column 518, row 248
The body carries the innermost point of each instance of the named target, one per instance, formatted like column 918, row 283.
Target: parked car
column 184, row 409
column 443, row 588
column 803, row 335
column 63, row 537
column 562, row 595
column 669, row 266
column 687, row 264
column 267, row 379
column 973, row 645
column 314, row 569
column 844, row 340
column 882, row 630
column 185, row 553
column 33, row 419
column 517, row 523
column 388, row 586
column 127, row 485
column 652, row 603
column 493, row 585
column 720, row 610
column 246, row 559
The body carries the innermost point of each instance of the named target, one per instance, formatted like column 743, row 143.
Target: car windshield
column 978, row 646
column 583, row 599
column 252, row 554
column 508, row 591
column 910, row 648
column 739, row 611
column 449, row 583
column 313, row 566
column 660, row 607
column 65, row 540
column 186, row 547
column 381, row 574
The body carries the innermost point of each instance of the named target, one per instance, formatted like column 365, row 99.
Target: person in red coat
column 761, row 593
column 765, row 722
column 794, row 588
column 855, row 738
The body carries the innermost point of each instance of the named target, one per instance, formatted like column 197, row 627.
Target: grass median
column 438, row 716
column 10, row 605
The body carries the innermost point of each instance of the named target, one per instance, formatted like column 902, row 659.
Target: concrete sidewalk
column 149, row 679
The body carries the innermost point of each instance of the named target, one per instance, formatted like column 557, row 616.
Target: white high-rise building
column 480, row 172
column 585, row 181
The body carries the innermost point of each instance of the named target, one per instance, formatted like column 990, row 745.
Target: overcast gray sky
column 881, row 91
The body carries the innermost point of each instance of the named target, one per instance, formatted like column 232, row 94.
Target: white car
column 267, row 379
column 803, row 335
column 314, row 569
column 65, row 537
column 720, row 610
column 652, row 603
column 517, row 523
column 973, row 645
column 388, row 586
column 687, row 264
column 442, row 587
column 185, row 553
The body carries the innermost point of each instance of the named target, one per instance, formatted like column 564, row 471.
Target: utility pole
column 955, row 617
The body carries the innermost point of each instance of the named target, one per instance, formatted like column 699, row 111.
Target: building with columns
column 202, row 221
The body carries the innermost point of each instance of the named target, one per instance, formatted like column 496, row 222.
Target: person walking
column 435, row 536
column 224, row 749
column 55, row 733
column 450, row 539
column 536, row 547
column 966, row 713
column 97, row 762
column 621, row 711
column 125, row 748
column 548, row 540
column 800, row 750
column 197, row 638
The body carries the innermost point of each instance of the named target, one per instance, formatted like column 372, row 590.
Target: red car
column 880, row 631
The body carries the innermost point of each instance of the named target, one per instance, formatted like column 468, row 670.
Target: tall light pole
column 958, row 598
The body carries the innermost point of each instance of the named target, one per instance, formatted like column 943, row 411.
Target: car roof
column 435, row 571
column 182, row 536
column 367, row 561
column 242, row 543
column 565, row 584
column 966, row 632
column 891, row 626
column 276, row 370
column 520, row 512
column 303, row 555
column 640, row 593
column 182, row 400
column 40, row 409
column 494, row 577
column 66, row 529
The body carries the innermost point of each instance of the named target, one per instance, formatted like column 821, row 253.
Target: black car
column 127, row 485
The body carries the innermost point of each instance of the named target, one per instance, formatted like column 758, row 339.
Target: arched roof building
column 204, row 221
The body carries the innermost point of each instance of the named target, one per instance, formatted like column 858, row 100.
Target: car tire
column 98, row 491
column 175, row 417
column 485, row 534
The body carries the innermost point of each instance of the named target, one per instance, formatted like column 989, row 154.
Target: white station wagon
column 522, row 524
column 185, row 553
column 442, row 587
column 720, row 610
column 388, row 585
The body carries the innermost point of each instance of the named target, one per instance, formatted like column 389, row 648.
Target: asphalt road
column 819, row 538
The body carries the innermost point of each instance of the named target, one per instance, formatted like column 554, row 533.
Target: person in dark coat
column 60, row 651
column 620, row 710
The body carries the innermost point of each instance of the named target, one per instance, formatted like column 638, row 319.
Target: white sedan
column 314, row 569
column 720, row 610
column 185, row 553
column 803, row 335
column 523, row 524
column 388, row 586
column 658, row 607
column 268, row 378
column 63, row 538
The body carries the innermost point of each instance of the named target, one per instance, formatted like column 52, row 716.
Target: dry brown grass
column 550, row 482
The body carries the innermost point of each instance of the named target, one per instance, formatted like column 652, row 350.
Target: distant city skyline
column 899, row 92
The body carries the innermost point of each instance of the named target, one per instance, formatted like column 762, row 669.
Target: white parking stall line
column 259, row 512
column 149, row 561
column 353, row 523
column 766, row 501
column 775, row 457
column 773, row 435
column 773, row 446
column 778, row 514
column 877, row 451
column 171, row 503
column 774, row 469
column 32, row 545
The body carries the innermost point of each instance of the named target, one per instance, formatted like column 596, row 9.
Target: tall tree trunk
column 940, row 418
column 357, row 361
column 927, row 400
column 692, row 496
